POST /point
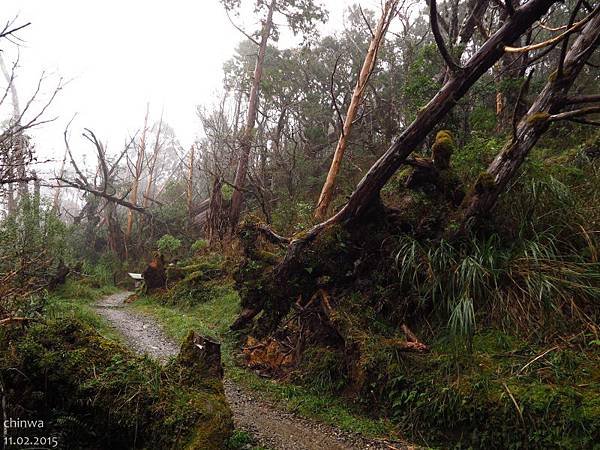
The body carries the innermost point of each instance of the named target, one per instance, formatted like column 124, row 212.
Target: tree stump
column 202, row 355
column 155, row 276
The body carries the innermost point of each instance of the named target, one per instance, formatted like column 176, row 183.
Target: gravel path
column 272, row 427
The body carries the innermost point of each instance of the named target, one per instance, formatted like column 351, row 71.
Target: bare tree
column 136, row 174
column 16, row 153
column 387, row 14
column 103, row 187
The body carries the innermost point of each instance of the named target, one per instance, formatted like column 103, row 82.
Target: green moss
column 62, row 370
column 485, row 182
column 442, row 149
column 538, row 117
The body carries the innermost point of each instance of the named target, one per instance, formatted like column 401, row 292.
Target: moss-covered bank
column 93, row 393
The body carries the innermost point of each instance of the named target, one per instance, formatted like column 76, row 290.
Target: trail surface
column 272, row 427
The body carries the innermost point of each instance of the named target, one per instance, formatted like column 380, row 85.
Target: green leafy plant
column 198, row 245
column 168, row 245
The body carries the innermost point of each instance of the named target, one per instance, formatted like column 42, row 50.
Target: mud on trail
column 272, row 427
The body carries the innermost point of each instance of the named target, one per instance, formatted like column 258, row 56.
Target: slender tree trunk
column 190, row 188
column 139, row 163
column 116, row 241
column 248, row 136
column 152, row 165
column 17, row 159
column 61, row 174
column 532, row 125
column 357, row 98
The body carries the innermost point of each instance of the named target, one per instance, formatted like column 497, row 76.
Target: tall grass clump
column 539, row 273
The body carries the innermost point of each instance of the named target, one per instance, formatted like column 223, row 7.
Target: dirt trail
column 272, row 427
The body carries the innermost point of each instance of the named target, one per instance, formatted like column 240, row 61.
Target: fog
column 116, row 57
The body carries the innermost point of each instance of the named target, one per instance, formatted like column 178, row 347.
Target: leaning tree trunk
column 366, row 195
column 357, row 98
column 537, row 120
column 455, row 88
column 248, row 136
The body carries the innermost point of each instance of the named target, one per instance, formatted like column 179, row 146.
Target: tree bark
column 357, row 98
column 136, row 177
column 532, row 125
column 190, row 188
column 248, row 136
column 367, row 190
column 61, row 174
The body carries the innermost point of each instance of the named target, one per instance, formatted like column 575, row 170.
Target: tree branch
column 250, row 38
column 555, row 39
column 105, row 195
column 439, row 40
column 6, row 32
column 574, row 113
column 574, row 100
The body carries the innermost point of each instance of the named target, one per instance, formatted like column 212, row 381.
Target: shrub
column 168, row 245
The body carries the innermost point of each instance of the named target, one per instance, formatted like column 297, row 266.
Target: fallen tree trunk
column 453, row 90
column 365, row 197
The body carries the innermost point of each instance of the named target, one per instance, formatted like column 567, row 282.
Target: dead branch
column 11, row 320
column 250, row 38
column 105, row 195
column 574, row 100
column 565, row 42
column 271, row 235
column 8, row 32
column 18, row 180
column 439, row 40
column 555, row 39
column 574, row 113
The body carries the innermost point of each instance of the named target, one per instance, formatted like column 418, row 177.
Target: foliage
column 499, row 397
column 198, row 245
column 33, row 245
column 168, row 245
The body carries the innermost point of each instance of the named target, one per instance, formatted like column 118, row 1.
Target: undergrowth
column 93, row 393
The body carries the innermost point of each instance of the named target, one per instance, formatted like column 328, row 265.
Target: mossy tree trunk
column 540, row 115
column 366, row 197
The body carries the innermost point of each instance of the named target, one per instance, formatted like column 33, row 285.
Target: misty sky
column 119, row 55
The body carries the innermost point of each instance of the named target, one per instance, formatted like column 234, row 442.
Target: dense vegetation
column 450, row 294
